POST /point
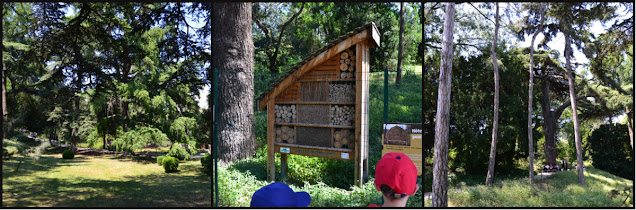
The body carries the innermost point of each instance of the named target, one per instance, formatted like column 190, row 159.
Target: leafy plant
column 170, row 164
column 179, row 152
column 68, row 154
column 160, row 159
column 206, row 161
column 610, row 150
column 138, row 138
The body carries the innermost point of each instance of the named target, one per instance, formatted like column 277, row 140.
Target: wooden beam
column 315, row 125
column 375, row 35
column 364, row 124
column 271, row 158
column 319, row 59
column 311, row 151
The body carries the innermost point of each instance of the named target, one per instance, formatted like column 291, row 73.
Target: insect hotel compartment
column 343, row 138
column 342, row 115
column 311, row 136
column 313, row 114
column 285, row 113
column 285, row 134
column 342, row 92
column 347, row 64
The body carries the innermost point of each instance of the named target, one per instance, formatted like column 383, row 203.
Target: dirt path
column 82, row 150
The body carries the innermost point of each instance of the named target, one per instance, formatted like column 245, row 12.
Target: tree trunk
column 549, row 125
column 5, row 119
column 76, row 109
column 530, row 103
column 14, row 102
column 398, row 77
column 442, row 124
column 629, row 126
column 495, row 124
column 233, row 56
column 577, row 135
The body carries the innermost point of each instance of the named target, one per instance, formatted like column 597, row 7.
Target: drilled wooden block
column 313, row 114
column 309, row 136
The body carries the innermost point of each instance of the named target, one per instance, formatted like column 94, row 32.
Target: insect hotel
column 320, row 107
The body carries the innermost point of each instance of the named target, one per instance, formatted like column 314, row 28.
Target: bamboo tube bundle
column 347, row 64
column 285, row 113
column 343, row 139
column 342, row 115
column 285, row 134
column 341, row 93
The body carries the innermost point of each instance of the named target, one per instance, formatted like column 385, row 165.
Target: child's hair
column 389, row 193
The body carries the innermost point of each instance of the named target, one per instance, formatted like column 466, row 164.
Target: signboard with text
column 404, row 138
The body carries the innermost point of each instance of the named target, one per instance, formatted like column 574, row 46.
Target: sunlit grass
column 102, row 181
column 561, row 189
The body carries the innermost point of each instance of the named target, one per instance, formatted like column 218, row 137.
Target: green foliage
column 160, row 159
column 170, row 164
column 139, row 138
column 206, row 162
column 179, row 152
column 472, row 98
column 610, row 148
column 68, row 154
column 12, row 146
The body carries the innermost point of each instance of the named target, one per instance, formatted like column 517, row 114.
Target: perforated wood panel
column 314, row 136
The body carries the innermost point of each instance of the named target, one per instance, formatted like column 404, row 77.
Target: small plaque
column 284, row 150
column 344, row 155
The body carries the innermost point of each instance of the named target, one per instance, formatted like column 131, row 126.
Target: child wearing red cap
column 396, row 178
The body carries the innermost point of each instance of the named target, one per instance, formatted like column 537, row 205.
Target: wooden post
column 362, row 94
column 271, row 158
column 365, row 74
column 283, row 166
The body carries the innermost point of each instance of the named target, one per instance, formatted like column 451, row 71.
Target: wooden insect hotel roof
column 363, row 33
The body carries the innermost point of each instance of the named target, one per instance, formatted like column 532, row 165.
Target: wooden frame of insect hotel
column 320, row 107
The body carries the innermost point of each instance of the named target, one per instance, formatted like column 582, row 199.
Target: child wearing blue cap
column 279, row 195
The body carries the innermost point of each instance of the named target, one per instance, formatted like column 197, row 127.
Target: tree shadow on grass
column 157, row 190
column 29, row 166
column 136, row 159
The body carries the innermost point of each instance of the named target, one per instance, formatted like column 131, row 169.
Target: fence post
column 386, row 94
column 214, row 144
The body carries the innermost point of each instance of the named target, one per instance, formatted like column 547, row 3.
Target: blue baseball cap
column 279, row 195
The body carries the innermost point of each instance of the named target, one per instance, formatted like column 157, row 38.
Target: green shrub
column 170, row 164
column 160, row 159
column 179, row 152
column 68, row 154
column 610, row 149
column 206, row 161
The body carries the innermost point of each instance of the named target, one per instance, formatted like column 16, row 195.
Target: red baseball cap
column 397, row 171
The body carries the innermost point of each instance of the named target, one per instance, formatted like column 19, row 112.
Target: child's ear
column 377, row 187
column 417, row 187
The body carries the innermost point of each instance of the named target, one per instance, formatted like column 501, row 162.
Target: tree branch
column 561, row 108
column 282, row 29
column 471, row 4
column 263, row 28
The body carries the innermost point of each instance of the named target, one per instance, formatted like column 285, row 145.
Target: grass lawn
column 561, row 189
column 102, row 181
